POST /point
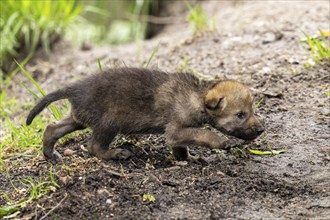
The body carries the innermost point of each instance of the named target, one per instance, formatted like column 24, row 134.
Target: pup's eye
column 241, row 115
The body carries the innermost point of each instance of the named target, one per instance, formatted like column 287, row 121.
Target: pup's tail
column 45, row 101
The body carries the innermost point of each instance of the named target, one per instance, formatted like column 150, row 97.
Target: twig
column 114, row 173
column 110, row 171
column 55, row 207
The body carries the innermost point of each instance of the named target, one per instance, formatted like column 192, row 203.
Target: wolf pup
column 139, row 101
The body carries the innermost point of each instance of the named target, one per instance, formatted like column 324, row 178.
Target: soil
column 256, row 43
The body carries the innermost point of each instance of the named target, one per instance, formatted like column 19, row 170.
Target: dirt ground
column 256, row 43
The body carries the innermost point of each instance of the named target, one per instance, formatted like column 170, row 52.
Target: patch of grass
column 327, row 92
column 20, row 138
column 16, row 138
column 7, row 210
column 35, row 189
column 319, row 46
column 39, row 189
column 238, row 152
column 27, row 24
column 184, row 68
column 198, row 18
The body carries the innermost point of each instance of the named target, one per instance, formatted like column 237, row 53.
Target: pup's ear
column 215, row 103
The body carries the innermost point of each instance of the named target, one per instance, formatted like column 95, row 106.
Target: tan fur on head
column 217, row 96
column 230, row 104
column 224, row 88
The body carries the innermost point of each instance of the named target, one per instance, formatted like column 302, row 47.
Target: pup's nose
column 260, row 129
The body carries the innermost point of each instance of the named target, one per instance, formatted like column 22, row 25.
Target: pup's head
column 230, row 107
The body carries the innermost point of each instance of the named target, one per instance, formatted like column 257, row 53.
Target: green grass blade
column 99, row 64
column 55, row 111
column 28, row 75
column 7, row 210
column 152, row 55
column 272, row 152
column 30, row 91
column 258, row 103
column 52, row 179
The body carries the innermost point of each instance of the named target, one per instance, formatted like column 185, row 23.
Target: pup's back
column 134, row 100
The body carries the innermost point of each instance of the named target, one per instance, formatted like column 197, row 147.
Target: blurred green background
column 26, row 25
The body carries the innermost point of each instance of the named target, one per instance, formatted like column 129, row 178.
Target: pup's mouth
column 247, row 135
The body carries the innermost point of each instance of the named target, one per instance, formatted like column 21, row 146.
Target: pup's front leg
column 180, row 137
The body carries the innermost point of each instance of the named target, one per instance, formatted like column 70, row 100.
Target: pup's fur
column 131, row 100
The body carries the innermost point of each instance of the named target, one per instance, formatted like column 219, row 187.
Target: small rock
column 153, row 178
column 172, row 168
column 266, row 69
column 65, row 179
column 219, row 173
column 268, row 38
column 149, row 166
column 108, row 201
column 273, row 94
column 83, row 148
column 68, row 152
column 181, row 163
column 103, row 192
column 187, row 41
column 272, row 37
column 86, row 46
column 311, row 62
column 87, row 195
column 170, row 183
column 282, row 108
column 293, row 61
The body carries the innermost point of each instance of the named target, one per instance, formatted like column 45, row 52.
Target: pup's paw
column 230, row 143
column 116, row 154
column 199, row 160
column 55, row 157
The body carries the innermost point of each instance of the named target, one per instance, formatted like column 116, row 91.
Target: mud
column 256, row 43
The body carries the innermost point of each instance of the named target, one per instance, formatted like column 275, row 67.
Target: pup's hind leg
column 55, row 131
column 99, row 145
column 180, row 152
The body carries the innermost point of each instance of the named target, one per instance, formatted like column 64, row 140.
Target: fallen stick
column 55, row 207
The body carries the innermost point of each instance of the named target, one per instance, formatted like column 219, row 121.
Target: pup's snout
column 260, row 129
column 259, row 126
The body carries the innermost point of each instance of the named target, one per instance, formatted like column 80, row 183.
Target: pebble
column 83, row 148
column 172, row 168
column 65, row 179
column 266, row 69
column 86, row 46
column 68, row 152
column 103, row 192
column 181, row 163
column 219, row 173
column 108, row 201
column 293, row 61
